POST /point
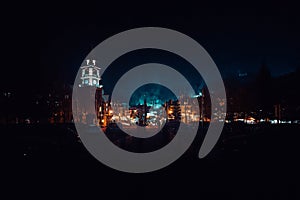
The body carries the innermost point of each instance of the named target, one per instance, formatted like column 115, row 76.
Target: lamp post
column 202, row 106
column 201, row 101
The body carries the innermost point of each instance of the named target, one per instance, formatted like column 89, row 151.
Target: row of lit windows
column 91, row 72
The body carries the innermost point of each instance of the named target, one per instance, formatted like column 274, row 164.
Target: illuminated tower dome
column 90, row 74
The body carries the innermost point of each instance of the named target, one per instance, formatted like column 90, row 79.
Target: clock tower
column 90, row 74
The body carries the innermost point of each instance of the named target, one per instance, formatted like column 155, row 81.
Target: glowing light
column 197, row 95
column 273, row 121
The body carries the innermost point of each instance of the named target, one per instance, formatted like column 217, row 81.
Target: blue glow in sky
column 156, row 95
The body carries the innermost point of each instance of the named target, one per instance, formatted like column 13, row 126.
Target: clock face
column 94, row 82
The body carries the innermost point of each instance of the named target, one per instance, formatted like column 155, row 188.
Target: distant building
column 91, row 82
column 173, row 110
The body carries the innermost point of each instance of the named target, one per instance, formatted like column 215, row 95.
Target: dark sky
column 43, row 46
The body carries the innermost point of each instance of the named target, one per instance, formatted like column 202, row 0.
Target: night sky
column 46, row 46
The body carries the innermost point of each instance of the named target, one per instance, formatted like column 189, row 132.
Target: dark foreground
column 249, row 162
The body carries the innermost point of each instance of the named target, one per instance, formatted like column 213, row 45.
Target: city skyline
column 247, row 97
